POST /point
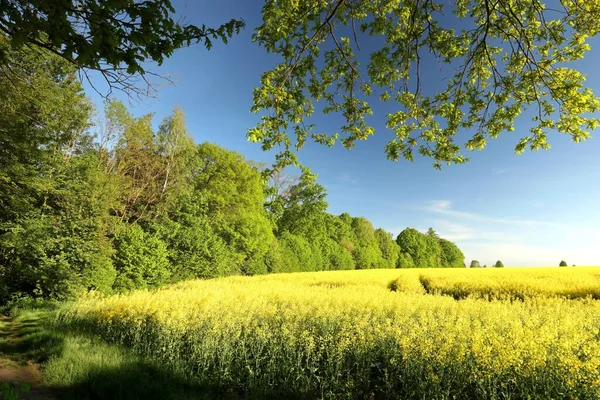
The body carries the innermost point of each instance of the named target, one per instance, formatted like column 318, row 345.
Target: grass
column 79, row 366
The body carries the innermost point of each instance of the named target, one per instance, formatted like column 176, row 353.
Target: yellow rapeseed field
column 417, row 333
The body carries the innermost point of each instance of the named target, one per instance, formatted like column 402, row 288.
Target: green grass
column 78, row 366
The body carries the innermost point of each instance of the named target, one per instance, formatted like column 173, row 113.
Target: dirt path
column 14, row 368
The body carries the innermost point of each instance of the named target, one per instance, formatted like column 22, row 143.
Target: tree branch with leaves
column 497, row 59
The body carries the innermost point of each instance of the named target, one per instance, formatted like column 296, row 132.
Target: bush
column 563, row 264
column 141, row 259
column 499, row 264
column 53, row 257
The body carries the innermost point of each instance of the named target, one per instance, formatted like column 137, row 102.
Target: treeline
column 136, row 207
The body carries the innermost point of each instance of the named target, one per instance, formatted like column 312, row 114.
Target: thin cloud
column 444, row 207
column 515, row 242
column 346, row 177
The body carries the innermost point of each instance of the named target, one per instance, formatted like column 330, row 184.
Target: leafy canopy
column 113, row 37
column 499, row 59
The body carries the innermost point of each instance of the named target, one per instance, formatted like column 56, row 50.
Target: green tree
column 141, row 259
column 452, row 256
column 500, row 59
column 234, row 195
column 563, row 264
column 499, row 264
column 114, row 38
column 390, row 250
column 405, row 261
column 423, row 249
column 367, row 253
column 475, row 264
column 297, row 253
column 194, row 249
column 304, row 208
column 54, row 196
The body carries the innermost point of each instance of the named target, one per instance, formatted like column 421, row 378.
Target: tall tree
column 304, row 208
column 54, row 196
column 424, row 250
column 234, row 194
column 390, row 251
column 452, row 256
column 367, row 253
column 500, row 58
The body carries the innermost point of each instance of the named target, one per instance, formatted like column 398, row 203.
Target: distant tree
column 452, row 256
column 390, row 250
column 499, row 264
column 234, row 194
column 475, row 264
column 563, row 264
column 405, row 261
column 194, row 249
column 367, row 253
column 303, row 208
column 141, row 259
column 432, row 233
column 424, row 249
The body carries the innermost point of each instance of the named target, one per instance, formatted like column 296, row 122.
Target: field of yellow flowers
column 417, row 333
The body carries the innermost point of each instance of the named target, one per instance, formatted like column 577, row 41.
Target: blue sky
column 529, row 210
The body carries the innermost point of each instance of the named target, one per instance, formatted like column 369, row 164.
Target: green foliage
column 194, row 249
column 234, row 196
column 405, row 260
column 139, row 207
column 424, row 249
column 297, row 253
column 390, row 250
column 498, row 264
column 304, row 208
column 53, row 195
column 500, row 60
column 274, row 258
column 563, row 264
column 52, row 257
column 141, row 259
column 452, row 256
column 339, row 257
column 475, row 264
column 113, row 37
column 367, row 253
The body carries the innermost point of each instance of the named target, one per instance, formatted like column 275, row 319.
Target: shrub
column 141, row 259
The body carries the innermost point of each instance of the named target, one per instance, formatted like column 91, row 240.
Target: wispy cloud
column 525, row 255
column 517, row 242
column 500, row 170
column 454, row 231
column 444, row 207
column 346, row 177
